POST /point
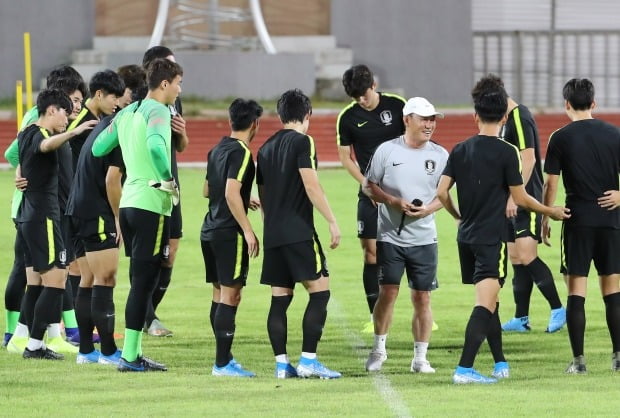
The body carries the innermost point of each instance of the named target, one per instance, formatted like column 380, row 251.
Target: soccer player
column 370, row 119
column 153, row 326
column 486, row 171
column 227, row 238
column 586, row 152
column 143, row 131
column 525, row 227
column 94, row 209
column 289, row 189
column 402, row 176
column 39, row 217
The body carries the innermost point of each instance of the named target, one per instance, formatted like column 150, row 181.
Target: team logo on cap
column 430, row 166
column 386, row 117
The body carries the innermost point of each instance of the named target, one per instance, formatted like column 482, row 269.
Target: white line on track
column 381, row 382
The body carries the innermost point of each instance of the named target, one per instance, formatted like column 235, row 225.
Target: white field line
column 381, row 382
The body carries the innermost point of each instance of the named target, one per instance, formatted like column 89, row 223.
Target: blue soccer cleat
column 113, row 359
column 285, row 371
column 501, row 370
column 557, row 319
column 92, row 357
column 140, row 364
column 5, row 340
column 313, row 368
column 231, row 370
column 467, row 375
column 517, row 325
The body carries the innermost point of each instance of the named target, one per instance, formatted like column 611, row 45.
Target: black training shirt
column 483, row 168
column 587, row 154
column 288, row 210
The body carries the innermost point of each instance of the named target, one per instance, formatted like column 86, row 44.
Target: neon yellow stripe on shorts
column 160, row 232
column 239, row 257
column 502, row 256
column 50, row 241
column 317, row 255
column 533, row 222
column 101, row 229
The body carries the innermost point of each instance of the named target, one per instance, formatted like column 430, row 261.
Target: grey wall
column 421, row 46
column 219, row 75
column 56, row 28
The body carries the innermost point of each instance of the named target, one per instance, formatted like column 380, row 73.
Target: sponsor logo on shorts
column 360, row 227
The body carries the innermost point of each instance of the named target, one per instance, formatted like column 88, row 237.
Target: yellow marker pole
column 19, row 103
column 28, row 69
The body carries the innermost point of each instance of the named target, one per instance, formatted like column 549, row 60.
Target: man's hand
column 177, row 124
column 119, row 235
column 334, row 232
column 546, row 231
column 21, row 183
column 418, row 212
column 559, row 213
column 253, row 245
column 610, row 199
column 254, row 203
column 89, row 124
column 168, row 186
column 511, row 208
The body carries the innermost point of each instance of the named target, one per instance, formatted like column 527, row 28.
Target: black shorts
column 176, row 222
column 43, row 244
column 91, row 235
column 145, row 233
column 582, row 245
column 420, row 262
column 367, row 215
column 563, row 269
column 226, row 261
column 67, row 238
column 479, row 262
column 525, row 224
column 289, row 264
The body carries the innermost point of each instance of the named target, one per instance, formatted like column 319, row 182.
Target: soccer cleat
column 112, row 359
column 557, row 319
column 5, row 340
column 435, row 326
column 73, row 336
column 231, row 370
column 59, row 345
column 312, row 367
column 285, row 371
column 577, row 366
column 16, row 345
column 157, row 329
column 375, row 360
column 140, row 364
column 501, row 370
column 421, row 366
column 92, row 357
column 615, row 361
column 517, row 325
column 467, row 375
column 369, row 328
column 42, row 353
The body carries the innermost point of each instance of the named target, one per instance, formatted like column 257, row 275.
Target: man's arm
column 205, row 189
column 180, row 134
column 443, row 194
column 113, row 188
column 315, row 193
column 345, row 154
column 235, row 204
column 54, row 142
column 526, row 201
column 106, row 141
column 550, row 191
column 12, row 153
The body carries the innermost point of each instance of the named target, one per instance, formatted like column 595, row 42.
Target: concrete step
column 303, row 43
column 88, row 70
column 121, row 43
column 89, row 56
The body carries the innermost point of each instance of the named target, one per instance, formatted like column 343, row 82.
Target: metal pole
column 28, row 69
column 261, row 28
column 19, row 103
column 551, row 57
column 160, row 23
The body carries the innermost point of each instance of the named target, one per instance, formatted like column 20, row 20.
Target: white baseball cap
column 421, row 107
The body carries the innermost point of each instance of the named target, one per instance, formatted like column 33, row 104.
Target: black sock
column 224, row 324
column 475, row 333
column 165, row 274
column 85, row 319
column 214, row 306
column 277, row 323
column 67, row 298
column 75, row 284
column 371, row 285
column 103, row 313
column 46, row 311
column 494, row 336
column 144, row 280
column 522, row 290
column 612, row 314
column 576, row 323
column 30, row 300
column 543, row 278
column 314, row 320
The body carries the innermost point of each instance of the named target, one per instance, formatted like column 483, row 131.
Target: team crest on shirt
column 386, row 117
column 430, row 166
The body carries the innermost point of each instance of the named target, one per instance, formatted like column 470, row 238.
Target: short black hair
column 579, row 92
column 67, row 79
column 356, row 80
column 161, row 69
column 243, row 113
column 107, row 81
column 133, row 76
column 293, row 106
column 62, row 71
column 53, row 97
column 155, row 52
column 490, row 98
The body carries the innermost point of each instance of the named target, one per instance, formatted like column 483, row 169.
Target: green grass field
column 537, row 387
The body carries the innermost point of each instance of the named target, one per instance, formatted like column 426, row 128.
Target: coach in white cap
column 403, row 176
